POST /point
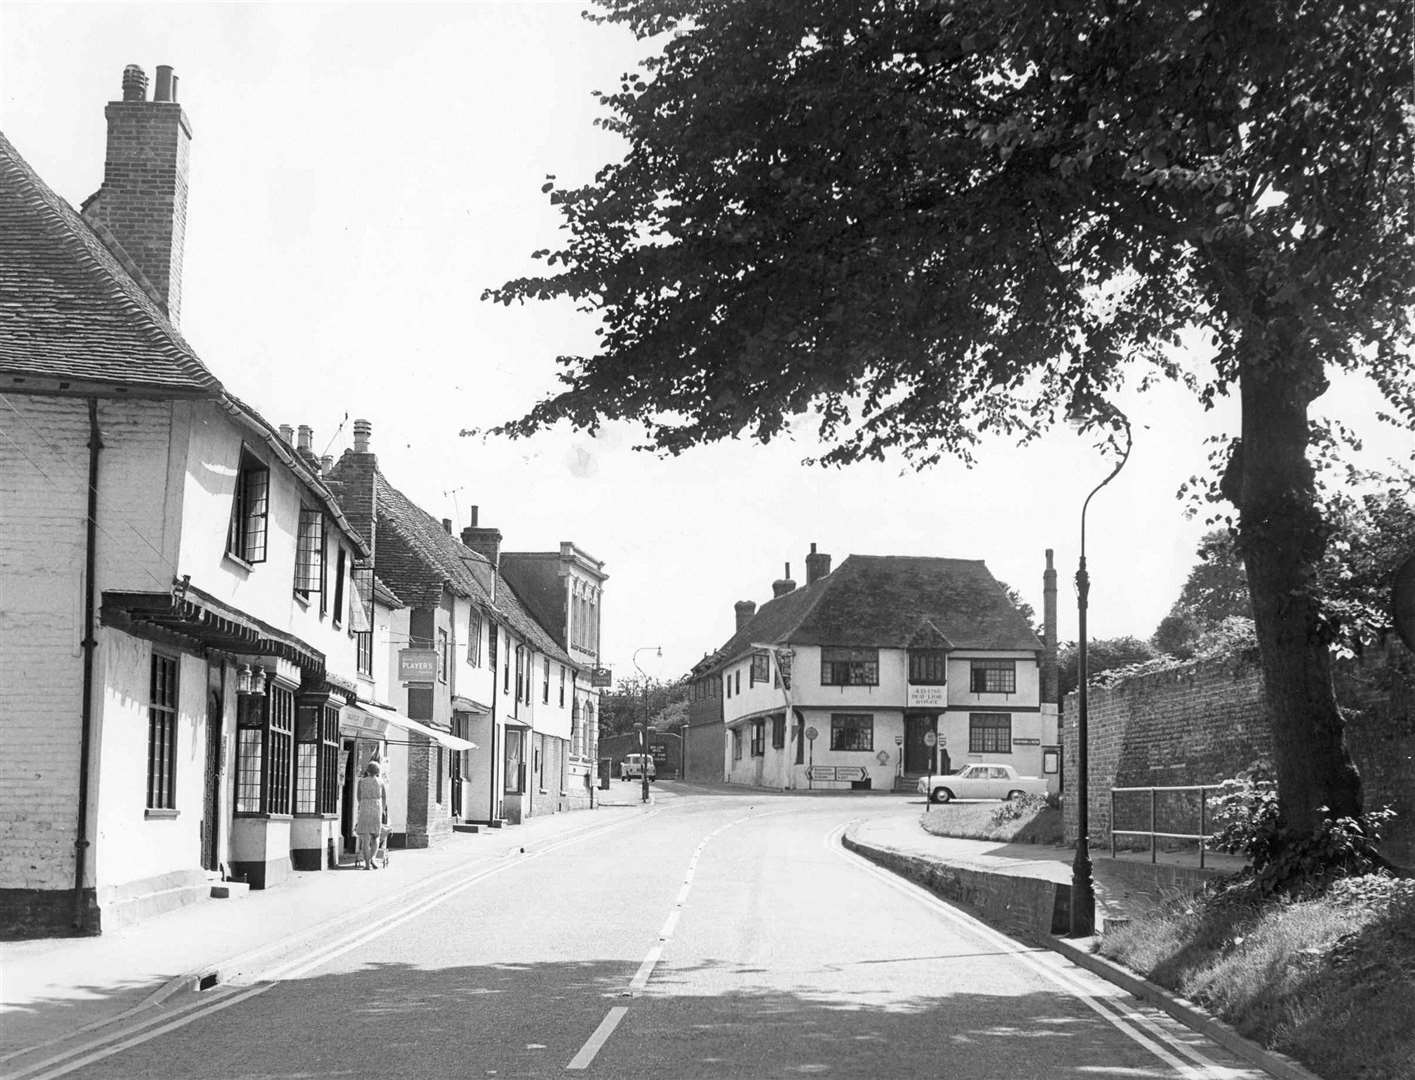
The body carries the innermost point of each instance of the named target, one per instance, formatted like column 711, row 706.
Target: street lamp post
column 1083, row 891
column 644, row 729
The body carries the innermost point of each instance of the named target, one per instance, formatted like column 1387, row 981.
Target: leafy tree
column 1023, row 608
column 623, row 707
column 929, row 221
column 1104, row 654
column 1216, row 589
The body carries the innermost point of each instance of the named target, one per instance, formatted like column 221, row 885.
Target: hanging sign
column 417, row 665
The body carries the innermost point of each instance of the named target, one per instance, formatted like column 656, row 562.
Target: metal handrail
column 1201, row 836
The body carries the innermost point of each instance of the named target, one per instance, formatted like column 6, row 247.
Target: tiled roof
column 71, row 317
column 891, row 601
column 417, row 558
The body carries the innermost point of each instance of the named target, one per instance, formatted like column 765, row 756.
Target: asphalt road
column 716, row 936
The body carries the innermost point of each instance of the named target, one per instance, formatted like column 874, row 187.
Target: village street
column 710, row 935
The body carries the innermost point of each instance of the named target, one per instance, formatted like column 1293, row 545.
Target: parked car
column 980, row 782
column 634, row 766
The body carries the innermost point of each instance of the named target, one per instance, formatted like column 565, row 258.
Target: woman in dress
column 373, row 806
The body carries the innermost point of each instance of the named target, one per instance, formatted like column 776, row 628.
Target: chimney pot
column 306, row 437
column 134, row 83
column 326, row 463
column 447, row 526
column 363, row 432
column 745, row 610
column 143, row 199
column 287, row 433
column 474, row 517
column 1051, row 674
column 485, row 542
column 783, row 585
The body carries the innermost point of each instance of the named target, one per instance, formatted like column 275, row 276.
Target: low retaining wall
column 1020, row 906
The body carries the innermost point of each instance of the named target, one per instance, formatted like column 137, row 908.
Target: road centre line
column 641, row 977
column 1107, row 1001
column 104, row 1047
column 599, row 1038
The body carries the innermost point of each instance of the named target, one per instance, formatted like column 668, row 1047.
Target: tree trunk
column 1282, row 537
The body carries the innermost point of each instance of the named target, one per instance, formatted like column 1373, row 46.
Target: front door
column 211, row 794
column 918, row 755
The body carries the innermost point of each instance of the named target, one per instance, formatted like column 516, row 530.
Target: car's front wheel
column 1015, row 794
column 942, row 795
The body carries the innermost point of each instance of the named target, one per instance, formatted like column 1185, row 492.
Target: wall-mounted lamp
column 250, row 679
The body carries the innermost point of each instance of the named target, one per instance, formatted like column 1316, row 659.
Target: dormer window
column 928, row 667
column 245, row 539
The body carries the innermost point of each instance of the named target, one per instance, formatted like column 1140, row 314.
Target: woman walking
column 373, row 808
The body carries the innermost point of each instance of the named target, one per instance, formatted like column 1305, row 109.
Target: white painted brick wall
column 43, row 508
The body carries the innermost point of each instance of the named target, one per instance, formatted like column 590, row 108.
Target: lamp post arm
column 1124, row 457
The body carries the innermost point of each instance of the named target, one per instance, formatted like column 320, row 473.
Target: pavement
column 58, row 990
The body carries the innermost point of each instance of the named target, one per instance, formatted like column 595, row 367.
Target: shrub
column 1024, row 806
column 1284, row 860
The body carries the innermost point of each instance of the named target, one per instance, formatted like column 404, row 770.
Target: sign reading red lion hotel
column 417, row 665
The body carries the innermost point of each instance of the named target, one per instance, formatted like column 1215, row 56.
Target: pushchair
column 381, row 852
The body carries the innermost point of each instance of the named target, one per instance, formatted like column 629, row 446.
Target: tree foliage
column 925, row 221
column 623, row 707
column 1102, row 654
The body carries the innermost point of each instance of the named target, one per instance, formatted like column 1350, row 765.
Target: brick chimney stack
column 783, row 585
column 1051, row 676
column 817, row 566
column 485, row 542
column 745, row 610
column 142, row 202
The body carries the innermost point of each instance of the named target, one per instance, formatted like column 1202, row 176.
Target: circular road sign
column 930, row 738
column 811, row 734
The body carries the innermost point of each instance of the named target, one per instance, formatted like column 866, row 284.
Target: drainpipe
column 81, row 840
column 491, row 770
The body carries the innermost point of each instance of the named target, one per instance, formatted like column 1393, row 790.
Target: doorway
column 918, row 754
column 211, row 792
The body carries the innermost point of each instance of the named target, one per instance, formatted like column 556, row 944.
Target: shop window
column 245, row 538
column 849, row 667
column 989, row 733
column 852, row 731
column 758, row 738
column 317, row 757
column 265, row 752
column 928, row 667
column 162, row 734
column 993, row 677
column 778, row 732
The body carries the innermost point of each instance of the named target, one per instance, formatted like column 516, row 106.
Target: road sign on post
column 811, row 734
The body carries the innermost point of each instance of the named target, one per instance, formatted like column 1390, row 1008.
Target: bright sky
column 361, row 172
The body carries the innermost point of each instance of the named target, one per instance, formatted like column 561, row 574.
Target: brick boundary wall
column 1204, row 721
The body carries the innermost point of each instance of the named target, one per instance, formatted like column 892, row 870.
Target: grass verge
column 1328, row 981
column 1022, row 821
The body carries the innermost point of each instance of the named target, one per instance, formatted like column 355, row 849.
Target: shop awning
column 375, row 720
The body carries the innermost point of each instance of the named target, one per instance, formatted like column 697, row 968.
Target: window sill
column 160, row 814
column 302, row 599
column 247, row 567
